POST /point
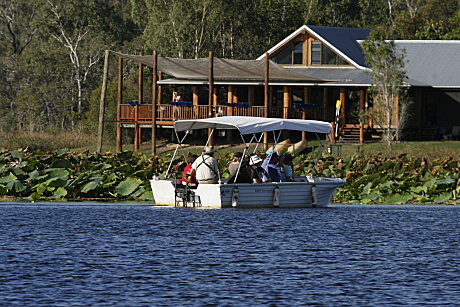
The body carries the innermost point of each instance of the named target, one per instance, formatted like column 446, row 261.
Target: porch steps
column 350, row 134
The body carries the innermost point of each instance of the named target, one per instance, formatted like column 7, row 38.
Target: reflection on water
column 125, row 254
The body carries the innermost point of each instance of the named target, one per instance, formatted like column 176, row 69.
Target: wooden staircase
column 350, row 134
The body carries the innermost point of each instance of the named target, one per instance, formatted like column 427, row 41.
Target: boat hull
column 310, row 192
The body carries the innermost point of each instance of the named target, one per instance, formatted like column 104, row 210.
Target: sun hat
column 254, row 160
column 208, row 150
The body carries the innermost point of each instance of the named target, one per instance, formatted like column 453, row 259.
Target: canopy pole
column 319, row 155
column 175, row 152
column 154, row 103
column 266, row 94
column 246, row 149
column 210, row 93
column 100, row 133
column 258, row 142
column 119, row 141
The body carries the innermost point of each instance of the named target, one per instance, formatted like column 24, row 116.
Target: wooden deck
column 167, row 114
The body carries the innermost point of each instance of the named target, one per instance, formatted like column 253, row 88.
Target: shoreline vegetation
column 416, row 173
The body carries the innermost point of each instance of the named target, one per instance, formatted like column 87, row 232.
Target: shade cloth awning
column 250, row 125
column 224, row 69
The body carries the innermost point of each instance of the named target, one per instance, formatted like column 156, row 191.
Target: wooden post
column 100, row 133
column 195, row 101
column 160, row 77
column 362, row 99
column 140, row 96
column 342, row 100
column 325, row 100
column 154, row 104
column 286, row 102
column 251, row 95
column 119, row 102
column 306, row 100
column 210, row 94
column 214, row 100
column 342, row 117
column 235, row 94
column 230, row 99
column 266, row 93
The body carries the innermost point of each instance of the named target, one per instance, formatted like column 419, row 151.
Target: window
column 316, row 53
column 292, row 54
column 298, row 53
column 323, row 55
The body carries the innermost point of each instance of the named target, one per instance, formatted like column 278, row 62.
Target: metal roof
column 346, row 40
column 432, row 62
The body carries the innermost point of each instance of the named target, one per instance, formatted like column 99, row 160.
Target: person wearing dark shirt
column 273, row 168
column 243, row 176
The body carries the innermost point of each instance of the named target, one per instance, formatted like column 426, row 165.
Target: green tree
column 388, row 92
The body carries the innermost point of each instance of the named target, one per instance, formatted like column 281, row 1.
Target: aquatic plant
column 63, row 175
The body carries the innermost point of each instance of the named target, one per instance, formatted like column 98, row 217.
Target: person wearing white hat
column 205, row 167
column 257, row 172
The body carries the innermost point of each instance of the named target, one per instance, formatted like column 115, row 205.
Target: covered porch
column 258, row 88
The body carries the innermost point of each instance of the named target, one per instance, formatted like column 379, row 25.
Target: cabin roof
column 344, row 41
column 432, row 62
column 223, row 70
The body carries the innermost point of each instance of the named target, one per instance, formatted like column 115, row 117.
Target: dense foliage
column 51, row 51
column 68, row 175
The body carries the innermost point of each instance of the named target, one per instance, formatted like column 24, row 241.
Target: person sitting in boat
column 187, row 178
column 244, row 174
column 205, row 167
column 257, row 173
column 286, row 169
column 272, row 168
column 233, row 166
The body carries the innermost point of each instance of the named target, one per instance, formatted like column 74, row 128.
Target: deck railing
column 170, row 113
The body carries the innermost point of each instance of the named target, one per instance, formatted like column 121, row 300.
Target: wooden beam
column 342, row 101
column 286, row 101
column 251, row 95
column 230, row 99
column 195, row 101
column 266, row 93
column 119, row 142
column 100, row 133
column 140, row 97
column 154, row 103
column 160, row 77
column 362, row 101
column 210, row 94
column 306, row 100
column 325, row 105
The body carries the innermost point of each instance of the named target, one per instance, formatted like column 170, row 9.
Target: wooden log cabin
column 307, row 75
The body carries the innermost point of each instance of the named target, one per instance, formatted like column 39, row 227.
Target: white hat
column 208, row 150
column 254, row 160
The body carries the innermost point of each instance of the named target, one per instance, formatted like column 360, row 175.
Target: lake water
column 88, row 254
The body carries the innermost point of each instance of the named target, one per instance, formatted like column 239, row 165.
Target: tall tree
column 388, row 75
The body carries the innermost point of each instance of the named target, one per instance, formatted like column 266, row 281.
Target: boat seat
column 185, row 195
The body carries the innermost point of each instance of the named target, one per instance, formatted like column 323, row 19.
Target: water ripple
column 126, row 254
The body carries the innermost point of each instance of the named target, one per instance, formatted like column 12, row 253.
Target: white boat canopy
column 252, row 125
